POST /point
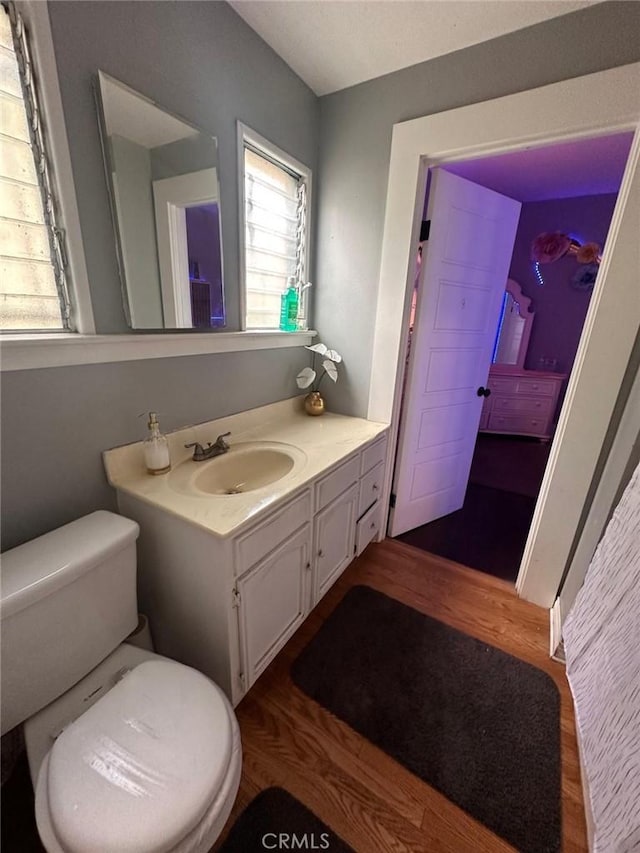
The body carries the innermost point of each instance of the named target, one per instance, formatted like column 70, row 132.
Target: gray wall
column 202, row 61
column 355, row 143
column 137, row 225
column 197, row 59
column 57, row 421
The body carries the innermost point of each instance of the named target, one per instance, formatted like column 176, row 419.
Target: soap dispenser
column 156, row 448
column 289, row 307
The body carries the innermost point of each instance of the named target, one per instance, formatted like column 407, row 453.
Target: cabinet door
column 273, row 601
column 335, row 529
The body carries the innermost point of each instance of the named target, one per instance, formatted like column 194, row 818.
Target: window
column 276, row 200
column 33, row 286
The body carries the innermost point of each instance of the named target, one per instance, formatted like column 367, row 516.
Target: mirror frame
column 104, row 137
column 515, row 290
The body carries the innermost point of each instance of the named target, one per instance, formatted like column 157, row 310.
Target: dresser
column 522, row 402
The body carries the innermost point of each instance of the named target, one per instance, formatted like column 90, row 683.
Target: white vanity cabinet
column 272, row 601
column 227, row 605
column 334, row 540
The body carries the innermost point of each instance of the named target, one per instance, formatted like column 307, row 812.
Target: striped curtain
column 602, row 646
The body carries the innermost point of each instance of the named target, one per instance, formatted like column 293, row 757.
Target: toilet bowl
column 141, row 754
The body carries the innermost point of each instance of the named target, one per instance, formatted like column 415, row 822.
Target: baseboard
column 556, row 644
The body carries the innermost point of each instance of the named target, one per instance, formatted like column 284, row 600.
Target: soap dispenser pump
column 156, row 448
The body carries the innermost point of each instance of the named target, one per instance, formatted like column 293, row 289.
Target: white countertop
column 324, row 440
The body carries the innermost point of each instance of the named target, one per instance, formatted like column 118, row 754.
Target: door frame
column 172, row 197
column 555, row 113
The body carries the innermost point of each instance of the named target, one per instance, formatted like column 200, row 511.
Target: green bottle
column 289, row 307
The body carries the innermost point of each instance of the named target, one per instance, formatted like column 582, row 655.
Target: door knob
column 483, row 392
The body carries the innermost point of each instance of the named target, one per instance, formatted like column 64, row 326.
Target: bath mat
column 480, row 726
column 275, row 820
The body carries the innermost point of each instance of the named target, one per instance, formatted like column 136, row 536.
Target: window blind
column 275, row 211
column 33, row 291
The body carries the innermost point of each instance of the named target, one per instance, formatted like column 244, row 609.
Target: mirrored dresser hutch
column 521, row 402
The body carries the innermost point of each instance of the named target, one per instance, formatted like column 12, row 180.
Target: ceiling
column 567, row 170
column 332, row 44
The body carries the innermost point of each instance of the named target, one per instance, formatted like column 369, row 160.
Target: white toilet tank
column 68, row 599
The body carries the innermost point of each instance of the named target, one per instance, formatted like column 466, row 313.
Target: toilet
column 129, row 752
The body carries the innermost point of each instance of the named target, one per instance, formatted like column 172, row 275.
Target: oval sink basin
column 244, row 468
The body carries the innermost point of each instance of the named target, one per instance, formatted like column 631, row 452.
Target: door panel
column 335, row 530
column 465, row 265
column 273, row 602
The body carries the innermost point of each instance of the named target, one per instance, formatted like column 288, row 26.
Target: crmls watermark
column 291, row 841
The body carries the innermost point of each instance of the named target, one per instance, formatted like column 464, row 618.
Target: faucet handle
column 198, row 451
column 220, row 440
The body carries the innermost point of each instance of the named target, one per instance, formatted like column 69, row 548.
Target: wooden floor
column 361, row 793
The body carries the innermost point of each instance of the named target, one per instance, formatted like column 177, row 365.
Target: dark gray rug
column 480, row 726
column 275, row 820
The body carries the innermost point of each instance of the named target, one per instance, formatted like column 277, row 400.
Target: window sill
column 27, row 352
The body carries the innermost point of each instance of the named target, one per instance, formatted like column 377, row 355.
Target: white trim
column 25, row 352
column 246, row 134
column 627, row 435
column 555, row 632
column 610, row 329
column 548, row 114
column 36, row 16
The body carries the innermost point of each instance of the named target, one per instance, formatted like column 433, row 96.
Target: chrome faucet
column 219, row 446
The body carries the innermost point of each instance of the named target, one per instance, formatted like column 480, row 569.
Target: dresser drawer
column 540, row 406
column 370, row 488
column 367, row 528
column 523, row 424
column 373, row 454
column 502, row 384
column 337, row 481
column 275, row 529
column 545, row 387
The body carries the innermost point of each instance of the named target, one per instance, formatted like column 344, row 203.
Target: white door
column 465, row 265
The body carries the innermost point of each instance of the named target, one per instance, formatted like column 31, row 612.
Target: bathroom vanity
column 227, row 578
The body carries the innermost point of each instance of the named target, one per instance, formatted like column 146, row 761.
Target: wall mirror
column 164, row 194
column 514, row 327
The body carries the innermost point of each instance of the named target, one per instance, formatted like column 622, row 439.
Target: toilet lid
column 137, row 771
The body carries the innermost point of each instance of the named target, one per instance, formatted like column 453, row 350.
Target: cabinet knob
column 308, row 566
column 375, row 487
column 320, row 553
column 372, row 525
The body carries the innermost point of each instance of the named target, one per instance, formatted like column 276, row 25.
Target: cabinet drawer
column 545, row 387
column 261, row 540
column 367, row 528
column 502, row 384
column 374, row 454
column 370, row 488
column 337, row 481
column 524, row 424
column 540, row 406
